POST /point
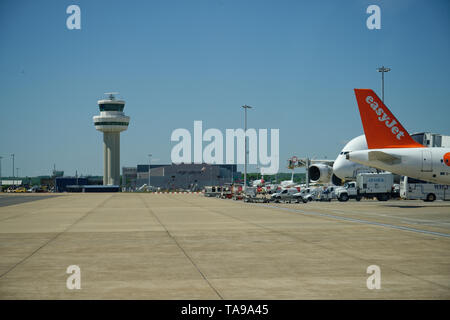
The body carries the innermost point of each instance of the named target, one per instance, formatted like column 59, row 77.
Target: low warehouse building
column 190, row 176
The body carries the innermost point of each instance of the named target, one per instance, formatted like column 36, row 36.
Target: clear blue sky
column 174, row 62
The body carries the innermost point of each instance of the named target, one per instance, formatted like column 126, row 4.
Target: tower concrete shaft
column 111, row 122
column 111, row 158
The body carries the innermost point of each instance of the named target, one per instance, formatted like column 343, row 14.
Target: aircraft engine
column 320, row 173
column 336, row 180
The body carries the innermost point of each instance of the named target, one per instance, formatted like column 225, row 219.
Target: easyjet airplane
column 391, row 148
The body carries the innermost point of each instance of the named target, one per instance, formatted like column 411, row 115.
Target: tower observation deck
column 111, row 121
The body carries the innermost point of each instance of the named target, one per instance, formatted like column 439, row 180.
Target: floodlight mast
column 245, row 145
column 383, row 69
column 149, row 168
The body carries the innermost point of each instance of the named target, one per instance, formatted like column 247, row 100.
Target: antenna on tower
column 111, row 95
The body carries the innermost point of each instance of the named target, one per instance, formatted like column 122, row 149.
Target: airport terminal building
column 190, row 176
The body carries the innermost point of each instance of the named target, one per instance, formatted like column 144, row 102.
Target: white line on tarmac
column 392, row 226
column 411, row 220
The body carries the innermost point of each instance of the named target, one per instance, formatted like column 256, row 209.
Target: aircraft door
column 426, row 161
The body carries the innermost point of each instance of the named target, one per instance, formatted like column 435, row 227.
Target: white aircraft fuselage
column 426, row 164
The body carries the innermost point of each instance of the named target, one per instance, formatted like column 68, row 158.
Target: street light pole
column 1, row 181
column 383, row 70
column 149, row 170
column 245, row 144
column 12, row 155
column 231, row 173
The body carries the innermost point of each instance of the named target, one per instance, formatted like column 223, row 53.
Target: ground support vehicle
column 413, row 189
column 368, row 185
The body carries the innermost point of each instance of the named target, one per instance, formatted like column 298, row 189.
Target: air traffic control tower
column 111, row 121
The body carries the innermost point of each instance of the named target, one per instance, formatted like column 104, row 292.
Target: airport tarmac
column 186, row 246
column 7, row 200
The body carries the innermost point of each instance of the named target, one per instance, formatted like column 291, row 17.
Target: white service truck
column 367, row 185
column 306, row 194
column 212, row 191
column 413, row 189
column 286, row 195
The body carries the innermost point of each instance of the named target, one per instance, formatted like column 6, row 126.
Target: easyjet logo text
column 383, row 117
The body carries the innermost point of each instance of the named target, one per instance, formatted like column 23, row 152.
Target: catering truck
column 413, row 189
column 368, row 185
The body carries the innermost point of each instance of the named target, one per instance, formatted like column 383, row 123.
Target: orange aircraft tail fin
column 382, row 129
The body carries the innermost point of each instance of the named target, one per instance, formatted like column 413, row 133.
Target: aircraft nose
column 342, row 168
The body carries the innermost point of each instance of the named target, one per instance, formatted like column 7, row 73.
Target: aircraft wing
column 324, row 161
column 384, row 157
column 300, row 163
